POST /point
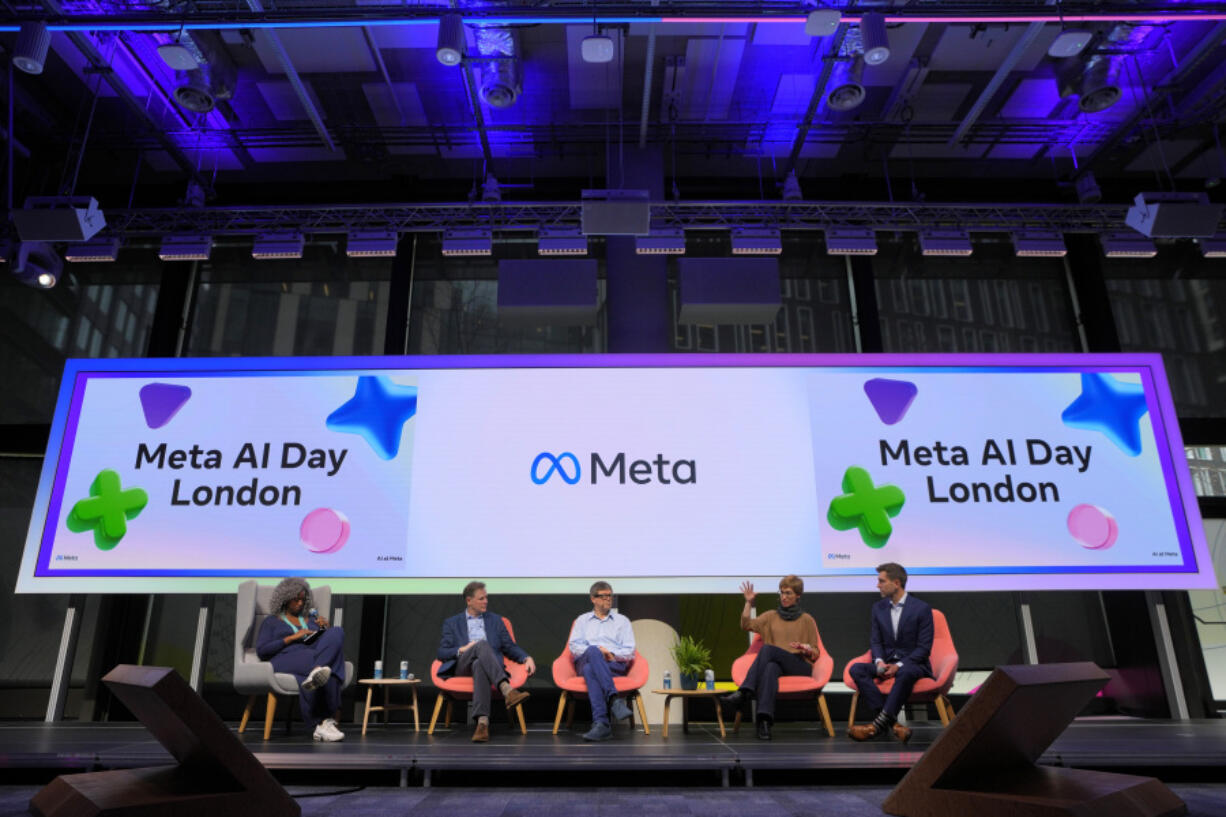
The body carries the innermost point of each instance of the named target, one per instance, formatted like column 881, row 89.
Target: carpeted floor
column 1204, row 800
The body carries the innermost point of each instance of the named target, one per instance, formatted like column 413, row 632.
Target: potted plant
column 692, row 660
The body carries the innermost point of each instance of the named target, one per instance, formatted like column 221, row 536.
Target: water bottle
column 668, row 680
column 710, row 678
column 378, row 669
column 404, row 670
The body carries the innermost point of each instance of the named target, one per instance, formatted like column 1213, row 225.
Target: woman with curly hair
column 317, row 661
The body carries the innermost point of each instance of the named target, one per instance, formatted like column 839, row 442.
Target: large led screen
column 663, row 473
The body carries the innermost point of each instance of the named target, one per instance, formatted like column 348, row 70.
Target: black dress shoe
column 732, row 700
column 764, row 729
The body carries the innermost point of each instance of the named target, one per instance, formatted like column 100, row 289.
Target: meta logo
column 640, row 472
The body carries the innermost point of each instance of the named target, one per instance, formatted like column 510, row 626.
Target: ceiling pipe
column 819, row 93
column 97, row 62
column 295, row 81
column 387, row 80
column 648, row 71
column 1002, row 73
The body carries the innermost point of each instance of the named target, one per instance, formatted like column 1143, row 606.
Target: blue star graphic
column 378, row 411
column 1112, row 407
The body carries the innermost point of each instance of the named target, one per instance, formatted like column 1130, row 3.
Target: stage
column 1116, row 744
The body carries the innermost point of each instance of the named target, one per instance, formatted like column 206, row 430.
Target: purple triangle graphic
column 162, row 401
column 890, row 398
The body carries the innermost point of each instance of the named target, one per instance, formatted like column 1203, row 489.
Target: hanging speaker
column 450, row 49
column 30, row 53
column 876, row 42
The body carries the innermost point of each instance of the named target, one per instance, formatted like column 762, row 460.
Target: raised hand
column 747, row 589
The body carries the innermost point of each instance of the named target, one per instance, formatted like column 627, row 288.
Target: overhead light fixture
column 372, row 244
column 1039, row 244
column 94, row 251
column 662, row 241
column 1127, row 245
column 873, row 36
column 467, row 242
column 1088, row 191
column 186, row 248
column 36, row 264
column 561, row 241
column 791, row 188
column 491, row 191
column 822, row 22
column 851, row 241
column 945, row 242
column 1174, row 215
column 450, row 50
column 756, row 242
column 30, row 52
column 847, row 84
column 274, row 246
column 597, row 48
column 58, row 218
column 1213, row 246
column 1069, row 44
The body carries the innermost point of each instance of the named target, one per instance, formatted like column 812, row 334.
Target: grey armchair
column 252, row 676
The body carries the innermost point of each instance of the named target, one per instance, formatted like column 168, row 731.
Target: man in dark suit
column 473, row 643
column 901, row 643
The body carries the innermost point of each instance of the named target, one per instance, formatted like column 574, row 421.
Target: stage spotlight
column 30, row 52
column 58, row 218
column 851, row 241
column 274, row 246
column 756, row 242
column 186, row 248
column 37, row 265
column 873, row 36
column 491, row 192
column 371, row 244
column 945, row 242
column 450, row 50
column 1127, row 245
column 467, row 242
column 1088, row 191
column 561, row 241
column 822, row 22
column 95, row 251
column 662, row 241
column 847, row 84
column 1039, row 244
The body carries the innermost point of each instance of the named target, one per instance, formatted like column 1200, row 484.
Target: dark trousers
column 325, row 651
column 484, row 664
column 865, row 676
column 763, row 677
column 598, row 673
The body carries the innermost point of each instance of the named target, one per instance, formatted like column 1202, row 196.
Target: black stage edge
column 1099, row 743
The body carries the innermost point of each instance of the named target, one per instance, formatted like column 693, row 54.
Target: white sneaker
column 330, row 726
column 318, row 677
column 328, row 732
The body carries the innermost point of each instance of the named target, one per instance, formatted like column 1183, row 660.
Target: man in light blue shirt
column 602, row 646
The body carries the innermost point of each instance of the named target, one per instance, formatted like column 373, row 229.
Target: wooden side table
column 387, row 684
column 686, row 695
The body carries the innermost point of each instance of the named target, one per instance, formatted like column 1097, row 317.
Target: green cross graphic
column 866, row 507
column 107, row 510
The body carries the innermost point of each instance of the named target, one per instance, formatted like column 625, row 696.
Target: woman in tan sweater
column 789, row 647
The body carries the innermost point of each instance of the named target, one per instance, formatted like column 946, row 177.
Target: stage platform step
column 1111, row 743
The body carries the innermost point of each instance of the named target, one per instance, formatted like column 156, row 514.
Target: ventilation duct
column 502, row 74
column 213, row 79
column 847, row 85
column 1094, row 77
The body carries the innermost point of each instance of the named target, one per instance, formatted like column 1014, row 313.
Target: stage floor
column 1105, row 743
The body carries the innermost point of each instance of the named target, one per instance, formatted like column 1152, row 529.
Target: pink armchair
column 791, row 686
column 460, row 688
column 944, row 660
column 572, row 684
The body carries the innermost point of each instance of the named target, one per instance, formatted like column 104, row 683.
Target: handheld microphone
column 313, row 615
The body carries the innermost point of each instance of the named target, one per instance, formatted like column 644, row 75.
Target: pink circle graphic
column 324, row 530
column 1093, row 527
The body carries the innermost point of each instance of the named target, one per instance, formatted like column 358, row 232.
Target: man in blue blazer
column 901, row 643
column 473, row 643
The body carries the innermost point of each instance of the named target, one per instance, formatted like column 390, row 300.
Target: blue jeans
column 598, row 673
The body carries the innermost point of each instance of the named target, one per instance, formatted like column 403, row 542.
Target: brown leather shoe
column 863, row 731
column 901, row 732
column 482, row 733
column 516, row 697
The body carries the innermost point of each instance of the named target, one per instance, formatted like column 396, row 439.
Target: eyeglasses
column 603, row 596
